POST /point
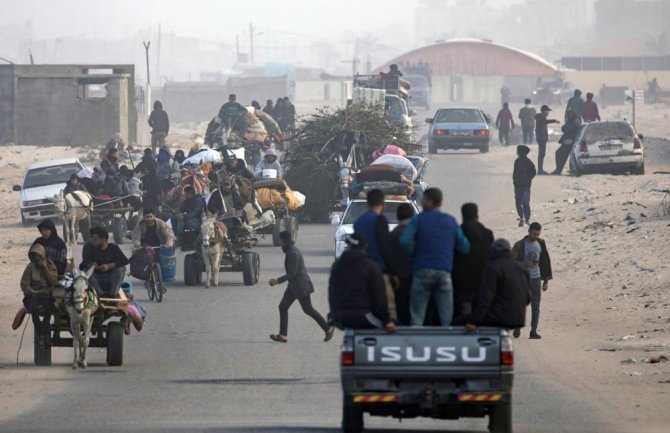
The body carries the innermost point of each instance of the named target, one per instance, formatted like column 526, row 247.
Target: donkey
column 214, row 236
column 81, row 303
column 73, row 207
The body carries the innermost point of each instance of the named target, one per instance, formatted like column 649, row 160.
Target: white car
column 607, row 146
column 356, row 208
column 42, row 181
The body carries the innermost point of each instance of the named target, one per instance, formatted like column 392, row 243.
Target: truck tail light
column 582, row 147
column 637, row 144
column 506, row 351
column 440, row 132
column 347, row 352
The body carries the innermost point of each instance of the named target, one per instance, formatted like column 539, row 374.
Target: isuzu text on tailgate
column 442, row 373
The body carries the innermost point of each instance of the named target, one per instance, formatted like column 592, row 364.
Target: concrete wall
column 49, row 111
column 47, row 104
column 591, row 81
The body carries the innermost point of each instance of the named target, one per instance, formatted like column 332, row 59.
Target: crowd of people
column 428, row 271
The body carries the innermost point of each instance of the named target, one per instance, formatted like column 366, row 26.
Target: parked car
column 42, row 181
column 458, row 128
column 419, row 91
column 607, row 146
column 356, row 208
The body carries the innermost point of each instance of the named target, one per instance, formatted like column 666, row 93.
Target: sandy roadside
column 609, row 302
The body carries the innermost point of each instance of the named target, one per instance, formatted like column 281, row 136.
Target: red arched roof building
column 475, row 57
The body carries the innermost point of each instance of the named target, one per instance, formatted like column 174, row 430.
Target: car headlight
column 29, row 203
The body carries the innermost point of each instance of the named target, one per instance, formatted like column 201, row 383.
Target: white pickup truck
column 434, row 372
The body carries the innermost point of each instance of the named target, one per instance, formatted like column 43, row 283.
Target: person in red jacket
column 505, row 124
column 590, row 111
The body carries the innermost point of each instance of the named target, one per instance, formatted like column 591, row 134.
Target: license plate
column 610, row 146
column 460, row 133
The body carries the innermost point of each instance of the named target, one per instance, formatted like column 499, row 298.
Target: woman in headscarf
column 55, row 248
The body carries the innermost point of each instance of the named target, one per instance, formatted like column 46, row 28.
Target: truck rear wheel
column 352, row 418
column 500, row 418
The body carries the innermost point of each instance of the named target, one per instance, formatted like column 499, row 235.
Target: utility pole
column 158, row 55
column 148, row 107
column 251, row 43
column 237, row 48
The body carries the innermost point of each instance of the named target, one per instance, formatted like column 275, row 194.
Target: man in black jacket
column 542, row 136
column 503, row 294
column 299, row 287
column 531, row 252
column 110, row 263
column 468, row 268
column 402, row 264
column 190, row 213
column 356, row 291
column 524, row 172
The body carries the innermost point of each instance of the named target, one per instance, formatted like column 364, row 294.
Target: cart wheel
column 191, row 270
column 119, row 229
column 42, row 356
column 250, row 267
column 114, row 344
column 276, row 229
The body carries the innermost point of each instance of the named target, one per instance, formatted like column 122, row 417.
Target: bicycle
column 154, row 284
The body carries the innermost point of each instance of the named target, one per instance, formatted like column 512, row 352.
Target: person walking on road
column 531, row 252
column 505, row 124
column 503, row 294
column 375, row 227
column 402, row 264
column 591, row 113
column 467, row 273
column 431, row 239
column 542, row 136
column 576, row 103
column 299, row 288
column 527, row 115
column 160, row 126
column 522, row 176
column 356, row 293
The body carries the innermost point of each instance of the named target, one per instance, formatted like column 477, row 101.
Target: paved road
column 204, row 362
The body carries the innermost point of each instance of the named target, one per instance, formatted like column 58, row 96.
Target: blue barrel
column 168, row 264
column 127, row 286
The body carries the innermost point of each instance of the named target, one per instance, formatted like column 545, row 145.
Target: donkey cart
column 107, row 330
column 117, row 220
column 237, row 256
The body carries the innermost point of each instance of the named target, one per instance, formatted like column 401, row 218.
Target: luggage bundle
column 275, row 193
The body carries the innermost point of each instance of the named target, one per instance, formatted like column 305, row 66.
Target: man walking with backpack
column 531, row 252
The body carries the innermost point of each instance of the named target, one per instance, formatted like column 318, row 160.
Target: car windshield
column 49, row 175
column 608, row 130
column 453, row 115
column 357, row 209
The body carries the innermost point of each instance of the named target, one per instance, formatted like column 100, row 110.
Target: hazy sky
column 213, row 18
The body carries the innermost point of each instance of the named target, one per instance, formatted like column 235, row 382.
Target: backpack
column 140, row 263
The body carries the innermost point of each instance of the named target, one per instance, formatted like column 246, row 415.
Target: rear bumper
column 615, row 161
column 468, row 142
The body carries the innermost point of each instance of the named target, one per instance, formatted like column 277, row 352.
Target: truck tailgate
column 442, row 348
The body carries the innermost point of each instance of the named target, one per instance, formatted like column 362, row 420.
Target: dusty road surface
column 204, row 362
